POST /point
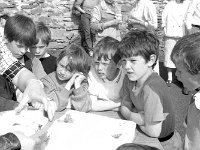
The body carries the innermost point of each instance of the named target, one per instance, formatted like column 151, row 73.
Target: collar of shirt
column 197, row 100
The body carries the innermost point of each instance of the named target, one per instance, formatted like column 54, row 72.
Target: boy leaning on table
column 145, row 96
column 106, row 76
column 15, row 72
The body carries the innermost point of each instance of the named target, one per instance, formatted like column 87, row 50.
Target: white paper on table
column 28, row 121
column 89, row 132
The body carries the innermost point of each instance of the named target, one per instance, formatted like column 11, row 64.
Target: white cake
column 28, row 121
column 89, row 132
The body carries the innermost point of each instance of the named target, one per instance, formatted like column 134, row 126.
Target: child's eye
column 20, row 46
column 68, row 68
column 132, row 60
column 123, row 61
column 105, row 64
column 33, row 47
column 40, row 47
column 96, row 63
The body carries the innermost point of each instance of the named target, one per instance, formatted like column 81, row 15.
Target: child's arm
column 138, row 118
column 80, row 99
column 103, row 104
column 153, row 111
column 58, row 95
column 96, row 22
column 129, row 112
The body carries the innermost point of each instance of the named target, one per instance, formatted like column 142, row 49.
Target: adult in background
column 105, row 20
column 85, row 7
column 174, row 28
column 143, row 13
column 192, row 19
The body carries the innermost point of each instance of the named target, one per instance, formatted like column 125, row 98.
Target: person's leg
column 169, row 44
column 7, row 104
column 169, row 76
column 85, row 22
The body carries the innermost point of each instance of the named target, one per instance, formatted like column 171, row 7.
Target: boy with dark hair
column 186, row 56
column 42, row 63
column 145, row 96
column 15, row 72
column 19, row 35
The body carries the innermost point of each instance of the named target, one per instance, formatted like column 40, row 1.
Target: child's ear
column 5, row 39
column 152, row 60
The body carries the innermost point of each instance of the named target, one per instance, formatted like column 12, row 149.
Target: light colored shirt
column 101, row 14
column 107, row 90
column 145, row 11
column 173, row 19
column 193, row 14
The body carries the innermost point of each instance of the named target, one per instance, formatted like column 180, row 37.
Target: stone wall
column 57, row 15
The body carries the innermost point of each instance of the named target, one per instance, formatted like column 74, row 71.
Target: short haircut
column 21, row 29
column 139, row 43
column 106, row 47
column 78, row 59
column 133, row 146
column 43, row 33
column 187, row 50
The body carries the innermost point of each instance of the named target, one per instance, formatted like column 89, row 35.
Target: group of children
column 120, row 77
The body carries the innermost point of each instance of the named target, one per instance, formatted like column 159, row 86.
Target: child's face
column 136, row 67
column 39, row 50
column 104, row 68
column 18, row 50
column 63, row 73
column 190, row 82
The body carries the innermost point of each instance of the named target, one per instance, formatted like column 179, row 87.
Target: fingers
column 38, row 105
column 45, row 102
column 51, row 110
column 23, row 103
column 79, row 80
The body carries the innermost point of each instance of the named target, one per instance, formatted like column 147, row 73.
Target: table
column 139, row 137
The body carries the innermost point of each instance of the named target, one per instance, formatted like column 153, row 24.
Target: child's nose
column 23, row 50
column 127, row 65
column 37, row 51
column 100, row 67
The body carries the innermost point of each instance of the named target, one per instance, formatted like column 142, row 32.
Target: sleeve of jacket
column 9, row 141
column 58, row 94
column 80, row 99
